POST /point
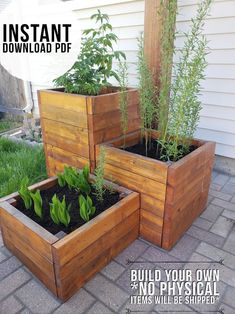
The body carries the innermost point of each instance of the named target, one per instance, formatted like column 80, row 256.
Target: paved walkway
column 211, row 238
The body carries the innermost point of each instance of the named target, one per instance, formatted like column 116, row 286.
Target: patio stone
column 9, row 266
column 135, row 250
column 185, row 247
column 227, row 309
column 113, row 270
column 222, row 195
column 99, row 308
column 202, row 223
column 208, row 237
column 178, row 308
column 212, row 213
column 26, row 311
column 79, row 303
column 216, row 254
column 221, row 179
column 233, row 200
column 38, row 299
column 229, row 214
column 1, row 240
column 12, row 282
column 222, row 226
column 230, row 243
column 215, row 187
column 2, row 257
column 10, row 306
column 224, row 204
column 229, row 298
column 229, row 188
column 107, row 292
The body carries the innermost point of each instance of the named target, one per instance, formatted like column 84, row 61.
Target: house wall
column 217, row 121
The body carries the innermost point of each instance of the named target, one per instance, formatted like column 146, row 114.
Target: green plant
column 147, row 94
column 123, row 98
column 99, row 183
column 17, row 161
column 75, row 180
column 37, row 200
column 167, row 14
column 25, row 193
column 59, row 211
column 184, row 104
column 94, row 65
column 87, row 210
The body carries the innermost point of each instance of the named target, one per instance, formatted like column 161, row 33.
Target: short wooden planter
column 172, row 195
column 65, row 265
column 73, row 124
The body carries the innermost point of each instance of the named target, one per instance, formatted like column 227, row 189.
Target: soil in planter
column 154, row 150
column 71, row 198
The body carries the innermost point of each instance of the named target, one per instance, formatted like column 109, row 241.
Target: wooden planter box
column 172, row 196
column 65, row 265
column 73, row 124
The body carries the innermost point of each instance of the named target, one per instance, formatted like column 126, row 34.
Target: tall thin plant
column 184, row 111
column 123, row 98
column 167, row 14
column 147, row 94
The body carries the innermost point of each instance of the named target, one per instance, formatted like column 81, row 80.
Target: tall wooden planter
column 172, row 195
column 65, row 265
column 73, row 124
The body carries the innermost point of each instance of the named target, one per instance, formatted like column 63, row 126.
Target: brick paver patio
column 211, row 238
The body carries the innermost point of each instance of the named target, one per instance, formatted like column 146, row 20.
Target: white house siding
column 218, row 91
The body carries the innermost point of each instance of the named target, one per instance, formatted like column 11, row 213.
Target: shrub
column 94, row 65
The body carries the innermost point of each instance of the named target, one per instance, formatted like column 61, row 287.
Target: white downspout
column 28, row 97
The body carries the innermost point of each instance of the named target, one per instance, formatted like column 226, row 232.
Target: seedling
column 37, row 200
column 87, row 210
column 59, row 211
column 25, row 193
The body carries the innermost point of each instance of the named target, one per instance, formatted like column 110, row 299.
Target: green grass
column 6, row 125
column 18, row 160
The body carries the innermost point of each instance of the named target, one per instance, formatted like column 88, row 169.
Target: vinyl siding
column 218, row 91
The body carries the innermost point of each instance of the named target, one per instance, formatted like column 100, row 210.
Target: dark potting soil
column 71, row 197
column 154, row 150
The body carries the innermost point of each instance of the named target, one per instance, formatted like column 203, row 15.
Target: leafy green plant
column 147, row 94
column 123, row 98
column 37, row 200
column 25, row 193
column 184, row 104
column 59, row 211
column 94, row 65
column 75, row 180
column 167, row 14
column 87, row 210
column 99, row 183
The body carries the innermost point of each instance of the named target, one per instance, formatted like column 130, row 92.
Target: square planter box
column 172, row 195
column 73, row 124
column 65, row 265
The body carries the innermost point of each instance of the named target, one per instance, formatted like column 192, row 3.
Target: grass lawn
column 18, row 160
column 6, row 125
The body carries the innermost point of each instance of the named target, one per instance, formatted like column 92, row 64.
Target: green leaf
column 37, row 199
column 25, row 193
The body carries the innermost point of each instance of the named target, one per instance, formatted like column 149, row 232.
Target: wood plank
column 112, row 118
column 136, row 182
column 150, row 235
column 50, row 284
column 101, row 244
column 156, row 207
column 58, row 99
column 113, row 132
column 34, row 234
column 152, row 221
column 69, row 117
column 110, row 102
column 88, row 233
column 130, row 139
column 140, row 165
column 31, row 252
column 68, row 287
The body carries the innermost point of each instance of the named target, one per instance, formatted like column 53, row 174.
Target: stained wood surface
column 187, row 192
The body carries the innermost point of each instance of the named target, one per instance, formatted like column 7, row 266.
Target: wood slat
column 136, row 182
column 152, row 221
column 83, row 237
column 139, row 165
column 21, row 225
column 150, row 235
column 66, row 101
column 156, row 207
